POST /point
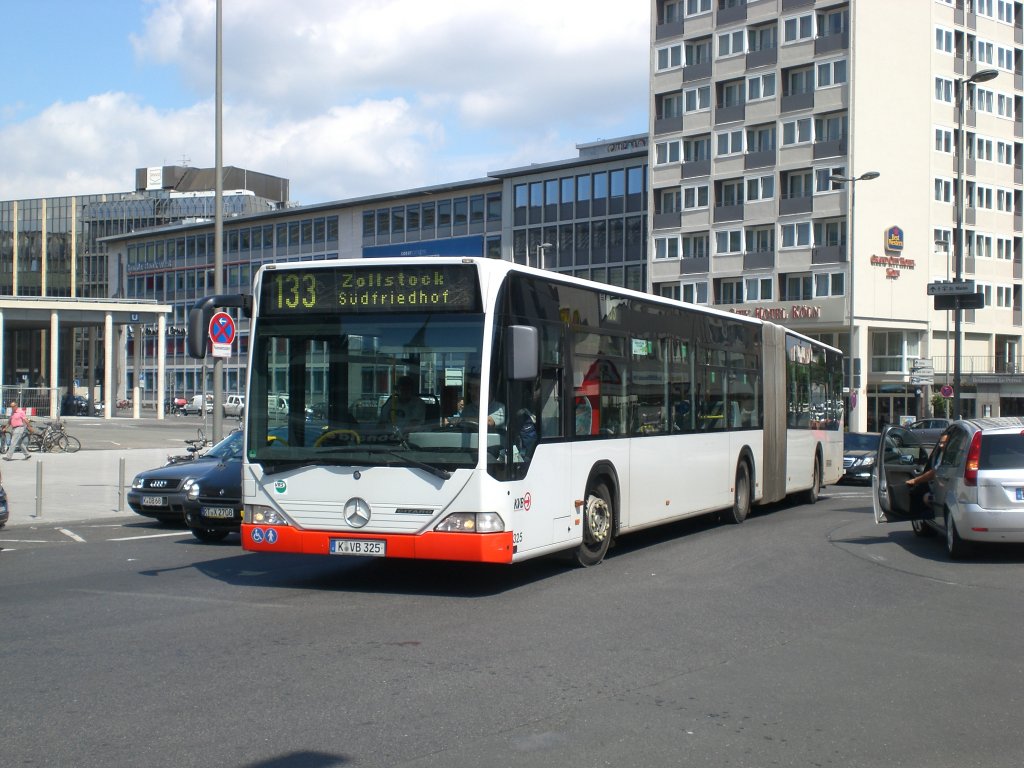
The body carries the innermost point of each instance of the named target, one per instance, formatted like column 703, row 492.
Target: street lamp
column 981, row 76
column 852, row 181
column 541, row 251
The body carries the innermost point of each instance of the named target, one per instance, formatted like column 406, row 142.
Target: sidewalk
column 74, row 486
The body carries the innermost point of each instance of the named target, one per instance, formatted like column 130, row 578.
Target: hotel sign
column 894, row 240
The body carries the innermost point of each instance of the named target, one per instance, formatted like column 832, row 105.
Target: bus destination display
column 407, row 288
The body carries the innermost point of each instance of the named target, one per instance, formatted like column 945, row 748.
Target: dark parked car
column 205, row 493
column 4, row 511
column 976, row 494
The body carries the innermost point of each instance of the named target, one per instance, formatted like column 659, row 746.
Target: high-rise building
column 805, row 165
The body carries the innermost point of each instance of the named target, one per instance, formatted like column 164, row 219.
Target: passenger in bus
column 405, row 408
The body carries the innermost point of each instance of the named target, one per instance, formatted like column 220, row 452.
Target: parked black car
column 4, row 510
column 205, row 493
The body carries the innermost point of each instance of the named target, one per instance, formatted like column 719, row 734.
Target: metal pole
column 853, row 348
column 39, row 489
column 218, row 228
column 120, row 484
column 958, row 244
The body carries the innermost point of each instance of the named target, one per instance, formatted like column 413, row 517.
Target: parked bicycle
column 53, row 437
column 194, row 446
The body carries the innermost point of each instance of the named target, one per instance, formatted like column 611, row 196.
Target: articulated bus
column 605, row 411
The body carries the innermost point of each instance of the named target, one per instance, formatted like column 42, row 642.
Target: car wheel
column 209, row 534
column 740, row 508
column 598, row 524
column 956, row 547
column 922, row 529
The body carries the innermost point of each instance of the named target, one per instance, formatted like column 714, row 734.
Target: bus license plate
column 153, row 501
column 227, row 512
column 361, row 547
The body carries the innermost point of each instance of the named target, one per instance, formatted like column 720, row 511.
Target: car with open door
column 977, row 493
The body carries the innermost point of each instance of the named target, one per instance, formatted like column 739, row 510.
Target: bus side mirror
column 198, row 328
column 522, row 343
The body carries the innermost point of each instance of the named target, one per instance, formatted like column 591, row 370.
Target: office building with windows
column 804, row 168
column 58, row 291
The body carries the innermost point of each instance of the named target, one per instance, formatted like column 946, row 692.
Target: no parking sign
column 222, row 334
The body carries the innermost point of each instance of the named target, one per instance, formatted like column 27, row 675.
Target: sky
column 343, row 97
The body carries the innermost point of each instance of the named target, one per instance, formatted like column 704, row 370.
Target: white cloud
column 356, row 97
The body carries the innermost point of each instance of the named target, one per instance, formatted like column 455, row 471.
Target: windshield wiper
column 444, row 474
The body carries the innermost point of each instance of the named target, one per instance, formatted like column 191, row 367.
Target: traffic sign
column 946, row 391
column 950, row 288
column 959, row 301
column 222, row 334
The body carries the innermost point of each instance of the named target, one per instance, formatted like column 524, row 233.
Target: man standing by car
column 20, row 427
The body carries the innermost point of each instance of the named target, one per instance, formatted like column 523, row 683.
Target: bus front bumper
column 465, row 547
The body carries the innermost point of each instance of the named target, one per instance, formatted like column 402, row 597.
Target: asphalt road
column 807, row 636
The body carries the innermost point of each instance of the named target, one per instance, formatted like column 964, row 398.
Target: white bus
column 607, row 411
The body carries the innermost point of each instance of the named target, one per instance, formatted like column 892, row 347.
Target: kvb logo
column 523, row 502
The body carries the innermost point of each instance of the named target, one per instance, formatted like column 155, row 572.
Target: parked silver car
column 976, row 494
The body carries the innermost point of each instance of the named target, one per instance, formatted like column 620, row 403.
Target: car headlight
column 191, row 488
column 867, row 461
column 471, row 522
column 137, row 482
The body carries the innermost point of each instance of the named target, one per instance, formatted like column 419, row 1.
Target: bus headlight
column 471, row 522
column 260, row 514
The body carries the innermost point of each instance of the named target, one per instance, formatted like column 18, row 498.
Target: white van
column 195, row 406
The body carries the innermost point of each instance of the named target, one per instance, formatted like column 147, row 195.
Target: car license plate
column 227, row 512
column 361, row 547
column 153, row 501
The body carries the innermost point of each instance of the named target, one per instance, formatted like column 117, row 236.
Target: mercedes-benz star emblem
column 357, row 512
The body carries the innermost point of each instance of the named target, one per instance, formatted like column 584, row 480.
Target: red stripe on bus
column 466, row 547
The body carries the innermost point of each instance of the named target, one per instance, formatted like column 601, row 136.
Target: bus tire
column 810, row 496
column 598, row 523
column 740, row 508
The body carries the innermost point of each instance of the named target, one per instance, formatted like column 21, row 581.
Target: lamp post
column 981, row 76
column 852, row 181
column 541, row 251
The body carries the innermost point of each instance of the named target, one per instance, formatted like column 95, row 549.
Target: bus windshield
column 364, row 389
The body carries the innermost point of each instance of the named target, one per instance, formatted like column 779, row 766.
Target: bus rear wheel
column 740, row 508
column 598, row 520
column 812, row 493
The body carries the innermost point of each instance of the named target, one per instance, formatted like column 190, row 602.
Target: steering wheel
column 337, row 436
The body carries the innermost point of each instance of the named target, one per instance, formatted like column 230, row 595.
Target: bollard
column 136, row 394
column 120, row 484
column 39, row 489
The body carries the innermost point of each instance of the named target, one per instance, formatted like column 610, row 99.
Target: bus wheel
column 597, row 527
column 740, row 508
column 811, row 494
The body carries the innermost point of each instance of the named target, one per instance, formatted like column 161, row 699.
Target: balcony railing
column 980, row 365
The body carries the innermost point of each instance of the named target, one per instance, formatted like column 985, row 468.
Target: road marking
column 152, row 536
column 23, row 541
column 71, row 535
column 188, row 598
